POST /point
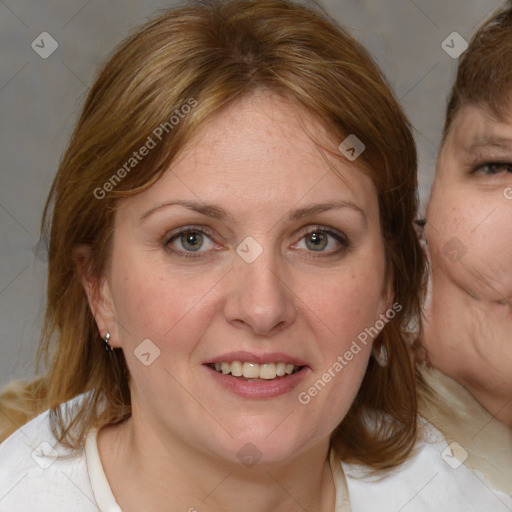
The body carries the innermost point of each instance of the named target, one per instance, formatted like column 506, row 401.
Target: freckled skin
column 256, row 162
column 469, row 232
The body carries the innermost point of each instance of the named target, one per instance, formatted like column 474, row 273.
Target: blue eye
column 493, row 168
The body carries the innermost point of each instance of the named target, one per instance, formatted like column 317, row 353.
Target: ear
column 98, row 294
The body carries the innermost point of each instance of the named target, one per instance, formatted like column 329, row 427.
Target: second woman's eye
column 492, row 168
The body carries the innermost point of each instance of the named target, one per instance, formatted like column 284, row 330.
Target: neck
column 468, row 339
column 148, row 472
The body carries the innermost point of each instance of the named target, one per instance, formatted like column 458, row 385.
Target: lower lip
column 261, row 388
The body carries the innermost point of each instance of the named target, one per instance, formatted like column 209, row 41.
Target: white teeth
column 237, row 369
column 266, row 371
column 251, row 370
column 280, row 369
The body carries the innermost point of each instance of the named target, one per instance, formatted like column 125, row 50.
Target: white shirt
column 39, row 475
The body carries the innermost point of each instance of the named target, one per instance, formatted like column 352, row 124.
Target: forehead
column 475, row 128
column 260, row 150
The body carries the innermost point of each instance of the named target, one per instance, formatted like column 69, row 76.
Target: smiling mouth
column 254, row 371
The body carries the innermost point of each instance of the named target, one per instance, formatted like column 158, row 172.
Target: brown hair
column 484, row 74
column 210, row 54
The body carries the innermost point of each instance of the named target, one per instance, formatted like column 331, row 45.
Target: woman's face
column 248, row 253
column 469, row 233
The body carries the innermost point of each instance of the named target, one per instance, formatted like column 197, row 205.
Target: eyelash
column 339, row 236
column 478, row 169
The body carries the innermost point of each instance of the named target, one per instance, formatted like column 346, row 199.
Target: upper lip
column 250, row 357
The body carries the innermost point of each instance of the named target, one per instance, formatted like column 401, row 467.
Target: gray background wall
column 40, row 100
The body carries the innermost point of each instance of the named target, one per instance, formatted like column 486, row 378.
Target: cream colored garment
column 462, row 419
column 342, row 498
column 37, row 474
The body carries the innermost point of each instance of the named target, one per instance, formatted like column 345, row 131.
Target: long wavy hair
column 213, row 53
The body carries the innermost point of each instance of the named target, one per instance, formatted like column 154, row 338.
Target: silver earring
column 381, row 355
column 106, row 340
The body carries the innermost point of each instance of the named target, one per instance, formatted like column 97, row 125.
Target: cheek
column 340, row 316
column 348, row 302
column 154, row 302
column 345, row 347
column 469, row 239
column 446, row 214
column 349, row 306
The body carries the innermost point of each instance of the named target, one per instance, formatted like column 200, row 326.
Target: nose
column 259, row 300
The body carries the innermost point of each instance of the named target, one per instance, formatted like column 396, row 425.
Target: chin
column 262, row 444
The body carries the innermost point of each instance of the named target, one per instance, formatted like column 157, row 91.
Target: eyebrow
column 216, row 212
column 323, row 207
column 490, row 142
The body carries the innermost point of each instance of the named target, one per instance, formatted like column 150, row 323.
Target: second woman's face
column 239, row 284
column 469, row 233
